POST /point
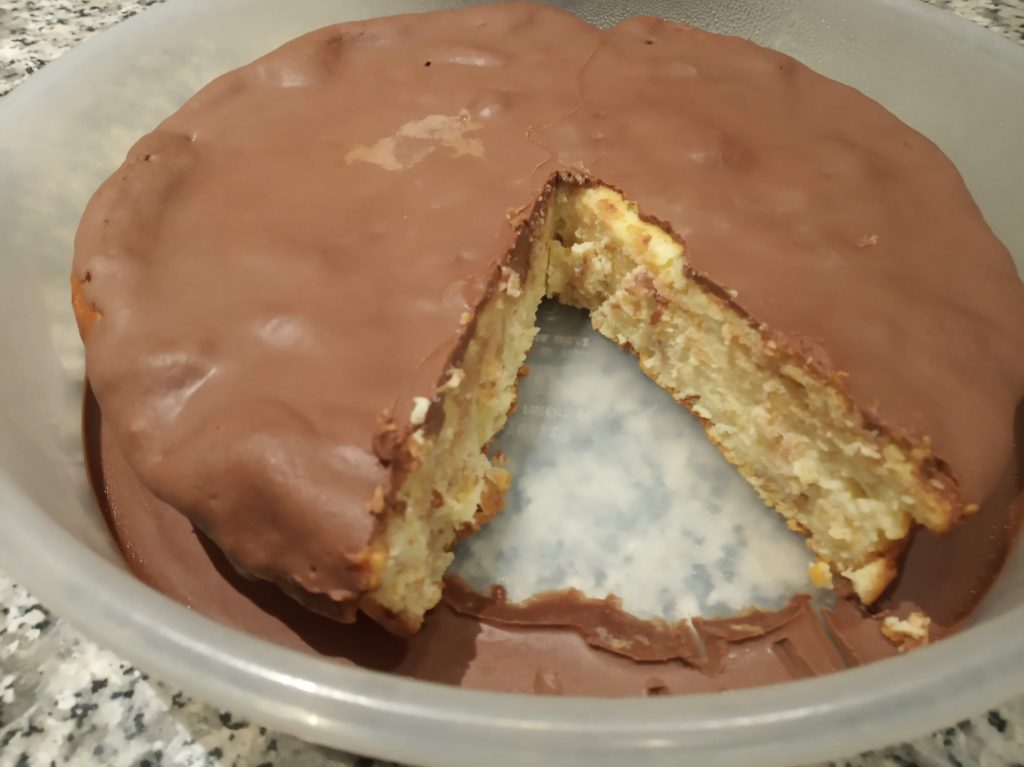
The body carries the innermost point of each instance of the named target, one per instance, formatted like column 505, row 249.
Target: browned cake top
column 293, row 252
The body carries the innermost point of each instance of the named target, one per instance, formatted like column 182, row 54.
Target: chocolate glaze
column 600, row 622
column 534, row 647
column 291, row 254
column 858, row 640
column 803, row 653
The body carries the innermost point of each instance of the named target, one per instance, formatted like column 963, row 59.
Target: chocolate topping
column 600, row 622
column 290, row 255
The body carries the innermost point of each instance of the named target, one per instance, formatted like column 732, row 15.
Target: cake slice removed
column 831, row 470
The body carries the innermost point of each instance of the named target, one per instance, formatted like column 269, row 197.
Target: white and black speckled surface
column 63, row 700
column 1003, row 16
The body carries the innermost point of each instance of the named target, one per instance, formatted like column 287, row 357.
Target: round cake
column 306, row 296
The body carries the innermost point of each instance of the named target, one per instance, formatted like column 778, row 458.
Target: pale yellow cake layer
column 456, row 485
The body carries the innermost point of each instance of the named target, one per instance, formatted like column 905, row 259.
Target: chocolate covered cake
column 306, row 296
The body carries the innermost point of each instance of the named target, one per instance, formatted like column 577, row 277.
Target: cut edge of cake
column 836, row 474
column 443, row 483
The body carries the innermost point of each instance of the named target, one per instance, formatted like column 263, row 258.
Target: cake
column 306, row 296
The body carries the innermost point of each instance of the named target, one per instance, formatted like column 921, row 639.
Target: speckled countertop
column 64, row 700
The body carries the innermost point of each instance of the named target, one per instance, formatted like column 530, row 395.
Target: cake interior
column 852, row 489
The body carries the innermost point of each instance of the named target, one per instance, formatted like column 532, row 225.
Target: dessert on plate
column 307, row 295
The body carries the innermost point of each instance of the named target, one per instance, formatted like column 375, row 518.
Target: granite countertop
column 64, row 700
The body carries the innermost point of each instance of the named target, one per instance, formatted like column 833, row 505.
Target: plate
column 64, row 130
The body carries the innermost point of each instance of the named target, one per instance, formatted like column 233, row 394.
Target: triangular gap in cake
column 836, row 475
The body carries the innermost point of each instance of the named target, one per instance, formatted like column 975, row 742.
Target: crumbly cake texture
column 854, row 492
column 305, row 307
